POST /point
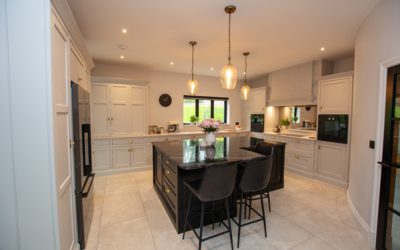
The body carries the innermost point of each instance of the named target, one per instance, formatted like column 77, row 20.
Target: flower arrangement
column 210, row 125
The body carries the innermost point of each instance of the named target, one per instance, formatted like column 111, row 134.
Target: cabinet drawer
column 139, row 140
column 299, row 162
column 122, row 141
column 170, row 176
column 274, row 138
column 101, row 143
column 298, row 146
column 169, row 195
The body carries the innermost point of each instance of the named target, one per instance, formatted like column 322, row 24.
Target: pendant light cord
column 229, row 39
column 192, row 61
column 245, row 70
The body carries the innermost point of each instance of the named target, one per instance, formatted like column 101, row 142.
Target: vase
column 210, row 152
column 210, row 138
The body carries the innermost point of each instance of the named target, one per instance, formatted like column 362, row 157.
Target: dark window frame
column 212, row 99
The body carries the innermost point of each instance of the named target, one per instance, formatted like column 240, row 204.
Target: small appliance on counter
column 160, row 130
column 153, row 129
column 173, row 127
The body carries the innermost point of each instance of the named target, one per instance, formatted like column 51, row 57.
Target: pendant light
column 192, row 83
column 245, row 89
column 228, row 74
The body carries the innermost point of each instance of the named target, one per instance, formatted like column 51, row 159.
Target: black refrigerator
column 80, row 101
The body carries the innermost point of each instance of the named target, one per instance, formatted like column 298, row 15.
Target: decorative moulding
column 99, row 79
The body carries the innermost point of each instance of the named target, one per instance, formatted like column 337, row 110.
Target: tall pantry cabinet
column 119, row 117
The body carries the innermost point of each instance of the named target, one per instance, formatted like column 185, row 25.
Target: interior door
column 389, row 201
column 61, row 123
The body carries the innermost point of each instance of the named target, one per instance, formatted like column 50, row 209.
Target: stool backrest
column 256, row 175
column 218, row 182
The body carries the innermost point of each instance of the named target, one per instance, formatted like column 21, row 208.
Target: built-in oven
column 333, row 128
column 257, row 122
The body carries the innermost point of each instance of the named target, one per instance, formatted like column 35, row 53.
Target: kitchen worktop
column 221, row 132
column 290, row 134
column 188, row 154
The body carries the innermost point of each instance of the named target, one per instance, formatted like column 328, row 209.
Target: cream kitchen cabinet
column 78, row 69
column 101, row 155
column 332, row 162
column 118, row 109
column 335, row 95
column 257, row 100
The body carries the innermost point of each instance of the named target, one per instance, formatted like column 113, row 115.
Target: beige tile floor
column 306, row 214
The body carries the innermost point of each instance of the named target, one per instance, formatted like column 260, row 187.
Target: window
column 198, row 108
column 295, row 115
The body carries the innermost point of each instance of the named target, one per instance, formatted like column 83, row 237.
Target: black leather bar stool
column 265, row 149
column 255, row 178
column 217, row 184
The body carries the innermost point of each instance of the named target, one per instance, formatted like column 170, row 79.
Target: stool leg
column 229, row 221
column 263, row 213
column 240, row 218
column 213, row 215
column 245, row 206
column 251, row 197
column 269, row 202
column 187, row 215
column 201, row 225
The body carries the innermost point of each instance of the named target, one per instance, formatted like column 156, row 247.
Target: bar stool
column 255, row 179
column 217, row 184
column 265, row 149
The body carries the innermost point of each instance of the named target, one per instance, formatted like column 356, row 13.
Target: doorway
column 388, row 228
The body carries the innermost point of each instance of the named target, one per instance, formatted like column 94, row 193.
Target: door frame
column 380, row 130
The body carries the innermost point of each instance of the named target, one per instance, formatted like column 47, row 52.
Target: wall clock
column 165, row 100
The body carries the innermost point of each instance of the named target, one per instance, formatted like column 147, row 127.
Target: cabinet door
column 138, row 111
column 139, row 154
column 101, row 158
column 257, row 100
column 120, row 116
column 101, row 113
column 334, row 96
column 332, row 161
column 122, row 156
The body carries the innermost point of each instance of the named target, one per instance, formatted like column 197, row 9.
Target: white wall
column 377, row 41
column 173, row 84
column 27, row 210
column 8, row 215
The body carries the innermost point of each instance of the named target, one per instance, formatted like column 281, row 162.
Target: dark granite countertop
column 188, row 154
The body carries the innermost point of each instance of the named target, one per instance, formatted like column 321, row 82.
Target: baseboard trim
column 365, row 226
column 122, row 170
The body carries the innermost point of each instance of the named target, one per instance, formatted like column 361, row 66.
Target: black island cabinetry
column 176, row 161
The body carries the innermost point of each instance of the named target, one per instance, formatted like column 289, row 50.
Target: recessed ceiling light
column 122, row 57
column 212, row 68
column 322, row 49
column 171, row 63
column 124, row 31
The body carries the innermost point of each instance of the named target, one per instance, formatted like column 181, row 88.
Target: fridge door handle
column 83, row 193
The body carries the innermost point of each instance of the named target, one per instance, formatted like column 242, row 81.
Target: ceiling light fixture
column 322, row 49
column 171, row 63
column 212, row 68
column 124, row 31
column 245, row 89
column 122, row 57
column 192, row 83
column 228, row 75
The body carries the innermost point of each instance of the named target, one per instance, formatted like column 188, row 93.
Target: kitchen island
column 176, row 161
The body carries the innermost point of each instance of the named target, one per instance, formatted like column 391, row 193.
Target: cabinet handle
column 167, row 161
column 297, row 156
column 320, row 107
column 71, row 143
column 112, row 118
column 319, row 147
column 167, row 190
column 167, row 171
column 79, row 79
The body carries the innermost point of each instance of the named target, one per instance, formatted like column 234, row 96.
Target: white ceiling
column 277, row 33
